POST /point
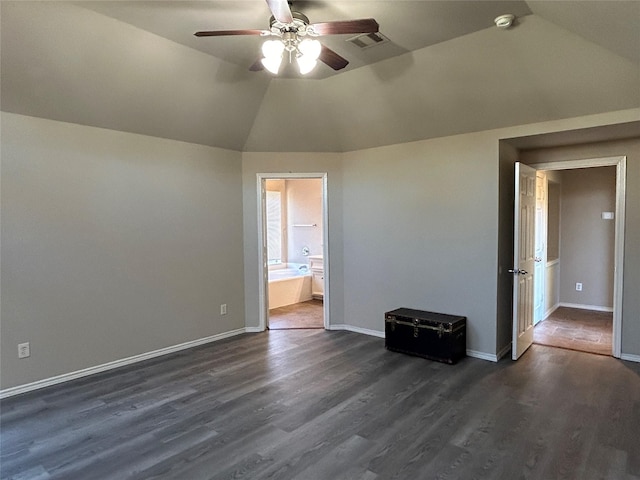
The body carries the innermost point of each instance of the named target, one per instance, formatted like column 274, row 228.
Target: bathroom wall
column 304, row 207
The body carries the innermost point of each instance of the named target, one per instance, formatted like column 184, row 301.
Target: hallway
column 576, row 329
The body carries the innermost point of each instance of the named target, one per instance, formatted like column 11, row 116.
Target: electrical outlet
column 24, row 350
column 223, row 309
column 578, row 287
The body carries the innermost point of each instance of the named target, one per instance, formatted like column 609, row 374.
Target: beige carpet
column 299, row 315
column 576, row 329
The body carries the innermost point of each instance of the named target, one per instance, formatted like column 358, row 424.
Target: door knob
column 518, row 271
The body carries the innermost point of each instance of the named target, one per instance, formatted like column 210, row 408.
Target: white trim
column 484, row 356
column 504, row 351
column 263, row 288
column 582, row 163
column 253, row 329
column 551, row 310
column 630, row 358
column 618, row 280
column 620, row 162
column 66, row 377
column 364, row 331
column 595, row 308
column 380, row 334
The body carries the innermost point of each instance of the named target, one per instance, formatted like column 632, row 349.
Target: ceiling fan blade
column 364, row 25
column 221, row 33
column 280, row 10
column 332, row 59
column 257, row 66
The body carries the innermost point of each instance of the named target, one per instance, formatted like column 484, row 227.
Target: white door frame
column 620, row 162
column 540, row 242
column 263, row 270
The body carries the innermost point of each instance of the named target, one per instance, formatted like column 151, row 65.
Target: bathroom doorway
column 292, row 224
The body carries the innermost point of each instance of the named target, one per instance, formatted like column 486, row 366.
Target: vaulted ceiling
column 135, row 66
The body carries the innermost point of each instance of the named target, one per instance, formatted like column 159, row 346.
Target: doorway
column 561, row 312
column 292, row 224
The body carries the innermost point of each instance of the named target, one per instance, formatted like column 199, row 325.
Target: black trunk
column 435, row 336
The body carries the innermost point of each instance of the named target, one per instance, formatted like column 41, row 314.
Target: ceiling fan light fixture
column 306, row 64
column 272, row 49
column 272, row 64
column 292, row 29
column 310, row 48
column 310, row 52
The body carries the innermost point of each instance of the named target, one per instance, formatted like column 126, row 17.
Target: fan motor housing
column 299, row 24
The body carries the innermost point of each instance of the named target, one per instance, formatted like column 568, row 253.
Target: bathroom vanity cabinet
column 317, row 276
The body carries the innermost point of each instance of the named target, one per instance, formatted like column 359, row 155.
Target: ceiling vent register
column 368, row 40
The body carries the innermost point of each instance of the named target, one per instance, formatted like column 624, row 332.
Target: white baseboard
column 551, row 310
column 66, row 377
column 253, row 329
column 630, row 358
column 595, row 308
column 482, row 355
column 377, row 333
column 364, row 331
column 504, row 351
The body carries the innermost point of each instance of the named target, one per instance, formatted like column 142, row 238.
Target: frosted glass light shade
column 272, row 51
column 310, row 48
column 306, row 64
column 272, row 64
column 272, row 48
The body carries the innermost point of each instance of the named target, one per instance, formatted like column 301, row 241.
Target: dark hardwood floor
column 315, row 404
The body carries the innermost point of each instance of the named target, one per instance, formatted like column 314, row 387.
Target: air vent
column 368, row 40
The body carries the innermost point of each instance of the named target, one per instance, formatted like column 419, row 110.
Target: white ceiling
column 136, row 66
column 438, row 22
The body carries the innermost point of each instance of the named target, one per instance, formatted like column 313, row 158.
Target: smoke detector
column 504, row 21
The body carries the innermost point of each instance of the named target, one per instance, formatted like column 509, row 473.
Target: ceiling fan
column 291, row 32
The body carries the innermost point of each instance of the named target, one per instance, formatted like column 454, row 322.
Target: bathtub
column 289, row 285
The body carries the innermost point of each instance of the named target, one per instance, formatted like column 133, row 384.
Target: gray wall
column 116, row 244
column 426, row 224
column 420, row 232
column 587, row 241
column 113, row 244
column 631, row 291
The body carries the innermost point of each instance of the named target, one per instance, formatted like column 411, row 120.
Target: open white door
column 523, row 258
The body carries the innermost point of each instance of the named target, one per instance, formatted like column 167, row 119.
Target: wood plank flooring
column 576, row 329
column 315, row 404
column 308, row 314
